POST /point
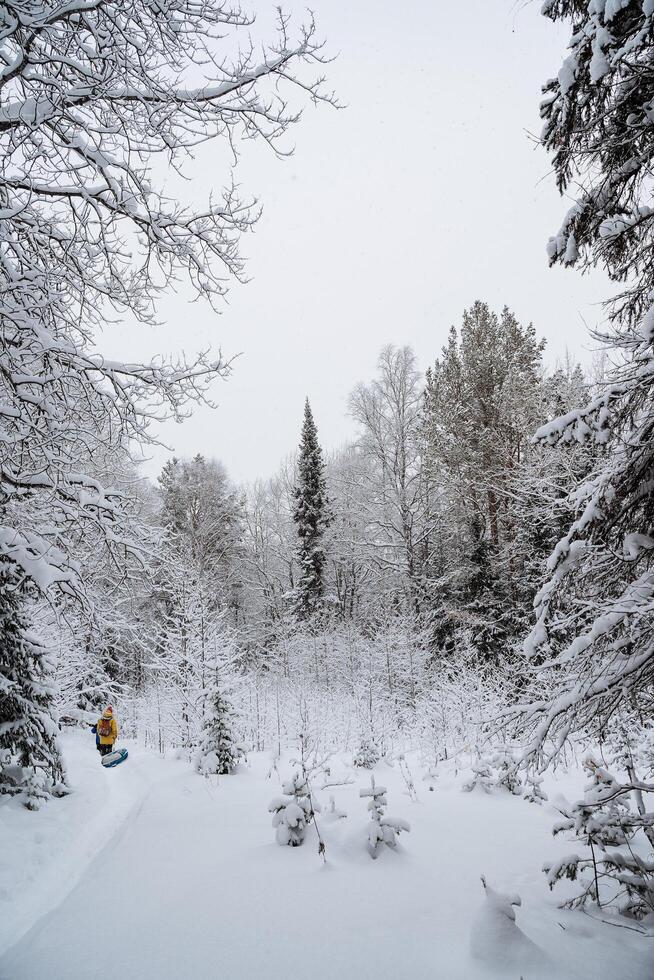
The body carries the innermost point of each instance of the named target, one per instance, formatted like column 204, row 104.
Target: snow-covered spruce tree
column 30, row 761
column 382, row 829
column 482, row 776
column 595, row 615
column 219, row 752
column 191, row 644
column 293, row 812
column 534, row 792
column 312, row 517
column 613, row 872
column 367, row 754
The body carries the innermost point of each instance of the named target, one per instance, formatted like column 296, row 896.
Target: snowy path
column 193, row 886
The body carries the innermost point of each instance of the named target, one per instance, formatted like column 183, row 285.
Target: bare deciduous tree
column 92, row 94
column 388, row 410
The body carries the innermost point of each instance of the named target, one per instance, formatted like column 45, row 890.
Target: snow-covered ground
column 149, row 870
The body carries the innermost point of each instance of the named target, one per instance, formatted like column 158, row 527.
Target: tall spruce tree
column 312, row 517
column 30, row 762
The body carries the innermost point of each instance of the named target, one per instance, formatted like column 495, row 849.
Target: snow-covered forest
column 452, row 613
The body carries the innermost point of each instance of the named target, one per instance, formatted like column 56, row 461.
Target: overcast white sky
column 392, row 216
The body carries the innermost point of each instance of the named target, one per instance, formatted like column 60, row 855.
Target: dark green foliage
column 483, row 400
column 599, row 130
column 594, row 625
column 312, row 517
column 219, row 751
column 30, row 763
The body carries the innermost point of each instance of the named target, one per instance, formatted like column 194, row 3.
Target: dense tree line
column 384, row 570
column 377, row 575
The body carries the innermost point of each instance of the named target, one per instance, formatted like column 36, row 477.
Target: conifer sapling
column 367, row 755
column 382, row 829
column 293, row 812
column 219, row 752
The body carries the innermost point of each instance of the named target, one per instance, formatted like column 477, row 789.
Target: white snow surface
column 150, row 870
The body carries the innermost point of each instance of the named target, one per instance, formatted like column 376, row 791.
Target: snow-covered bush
column 218, row 752
column 495, row 771
column 382, row 829
column 293, row 812
column 367, row 755
column 612, row 872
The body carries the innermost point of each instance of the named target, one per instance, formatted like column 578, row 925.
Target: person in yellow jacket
column 107, row 731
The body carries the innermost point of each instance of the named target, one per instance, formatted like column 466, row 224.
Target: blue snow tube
column 114, row 758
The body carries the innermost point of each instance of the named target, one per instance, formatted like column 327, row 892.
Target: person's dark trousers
column 106, row 749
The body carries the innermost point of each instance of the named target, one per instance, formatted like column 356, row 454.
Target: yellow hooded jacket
column 113, row 729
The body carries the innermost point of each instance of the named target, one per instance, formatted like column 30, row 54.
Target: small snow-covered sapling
column 293, row 812
column 218, row 752
column 496, row 937
column 382, row 829
column 367, row 755
column 482, row 777
column 534, row 792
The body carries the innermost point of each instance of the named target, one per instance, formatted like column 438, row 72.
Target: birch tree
column 388, row 411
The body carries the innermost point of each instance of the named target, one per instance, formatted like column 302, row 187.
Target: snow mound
column 496, row 938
